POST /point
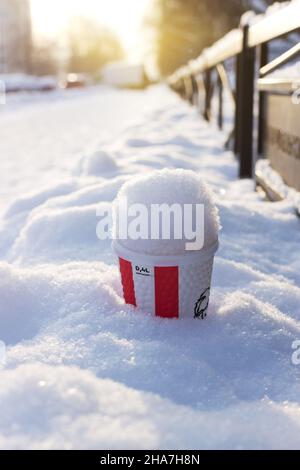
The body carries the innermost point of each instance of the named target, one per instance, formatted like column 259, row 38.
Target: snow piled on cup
column 168, row 187
column 159, row 276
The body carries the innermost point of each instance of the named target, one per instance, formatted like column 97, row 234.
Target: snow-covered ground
column 82, row 369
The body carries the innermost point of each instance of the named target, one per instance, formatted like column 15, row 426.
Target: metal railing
column 249, row 47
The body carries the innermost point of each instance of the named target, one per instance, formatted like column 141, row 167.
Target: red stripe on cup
column 166, row 292
column 127, row 281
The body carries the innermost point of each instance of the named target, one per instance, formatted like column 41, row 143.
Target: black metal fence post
column 207, row 85
column 186, row 88
column 237, row 103
column 189, row 88
column 195, row 89
column 262, row 103
column 200, row 87
column 245, row 107
column 220, row 110
column 181, row 88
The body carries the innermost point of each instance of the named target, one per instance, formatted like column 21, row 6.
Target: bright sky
column 122, row 16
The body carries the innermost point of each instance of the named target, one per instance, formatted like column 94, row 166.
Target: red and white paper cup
column 167, row 286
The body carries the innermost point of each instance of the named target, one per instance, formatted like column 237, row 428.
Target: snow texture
column 264, row 10
column 288, row 71
column 83, row 370
column 169, row 187
column 275, row 182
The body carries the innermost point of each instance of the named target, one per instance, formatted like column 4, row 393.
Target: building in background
column 15, row 36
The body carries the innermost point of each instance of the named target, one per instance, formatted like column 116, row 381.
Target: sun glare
column 124, row 17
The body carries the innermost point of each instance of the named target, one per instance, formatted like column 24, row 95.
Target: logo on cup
column 141, row 271
column 201, row 305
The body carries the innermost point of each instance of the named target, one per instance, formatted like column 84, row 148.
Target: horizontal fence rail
column 229, row 46
column 279, row 85
column 248, row 46
column 277, row 24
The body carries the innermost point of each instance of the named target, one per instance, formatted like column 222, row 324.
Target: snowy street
column 86, row 118
column 82, row 370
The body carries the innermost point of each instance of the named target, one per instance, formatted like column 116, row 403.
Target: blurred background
column 121, row 42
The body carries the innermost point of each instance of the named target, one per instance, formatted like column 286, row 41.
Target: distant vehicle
column 124, row 75
column 75, row 80
column 17, row 82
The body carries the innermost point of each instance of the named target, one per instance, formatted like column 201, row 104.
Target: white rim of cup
column 189, row 258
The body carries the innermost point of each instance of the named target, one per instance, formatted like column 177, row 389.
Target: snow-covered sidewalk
column 82, row 369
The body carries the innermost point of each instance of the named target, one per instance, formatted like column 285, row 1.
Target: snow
column 264, row 10
column 67, row 125
column 83, row 370
column 181, row 187
column 290, row 71
column 275, row 182
column 98, row 163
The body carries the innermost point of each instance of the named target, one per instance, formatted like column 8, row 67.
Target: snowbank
column 82, row 369
column 90, row 413
column 275, row 182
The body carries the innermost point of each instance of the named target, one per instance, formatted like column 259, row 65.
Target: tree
column 184, row 27
column 44, row 58
column 91, row 46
